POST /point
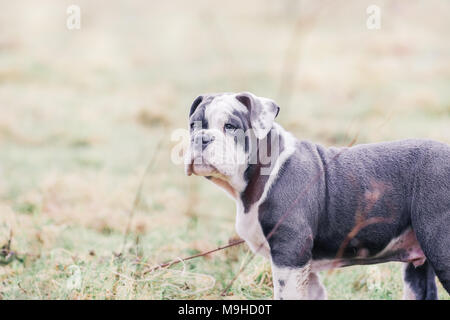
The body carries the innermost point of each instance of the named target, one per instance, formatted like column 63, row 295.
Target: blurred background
column 89, row 197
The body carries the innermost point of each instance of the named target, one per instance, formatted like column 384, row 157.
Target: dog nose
column 207, row 138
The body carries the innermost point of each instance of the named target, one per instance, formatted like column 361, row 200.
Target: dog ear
column 262, row 112
column 195, row 104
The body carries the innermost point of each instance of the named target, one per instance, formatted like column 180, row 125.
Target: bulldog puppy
column 309, row 208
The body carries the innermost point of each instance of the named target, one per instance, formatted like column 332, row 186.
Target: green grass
column 82, row 113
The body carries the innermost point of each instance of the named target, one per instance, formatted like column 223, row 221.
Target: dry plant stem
column 171, row 263
column 228, row 287
column 136, row 202
column 137, row 199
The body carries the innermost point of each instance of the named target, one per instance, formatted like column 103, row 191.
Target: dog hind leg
column 430, row 210
column 419, row 282
column 435, row 244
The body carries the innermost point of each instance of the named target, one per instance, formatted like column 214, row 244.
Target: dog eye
column 229, row 127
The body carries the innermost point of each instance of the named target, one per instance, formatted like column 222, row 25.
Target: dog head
column 225, row 130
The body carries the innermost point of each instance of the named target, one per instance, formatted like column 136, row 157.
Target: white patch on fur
column 291, row 283
column 227, row 103
column 249, row 229
column 298, row 283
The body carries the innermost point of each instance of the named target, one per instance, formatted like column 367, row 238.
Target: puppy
column 308, row 208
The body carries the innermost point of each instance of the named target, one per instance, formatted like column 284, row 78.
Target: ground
column 87, row 115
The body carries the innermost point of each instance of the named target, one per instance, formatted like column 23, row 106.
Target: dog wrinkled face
column 224, row 129
column 217, row 146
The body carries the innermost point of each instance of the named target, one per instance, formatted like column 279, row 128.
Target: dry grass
column 82, row 113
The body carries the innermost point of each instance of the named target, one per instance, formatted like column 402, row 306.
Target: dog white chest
column 249, row 229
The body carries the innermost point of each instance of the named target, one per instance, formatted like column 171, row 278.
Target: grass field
column 84, row 112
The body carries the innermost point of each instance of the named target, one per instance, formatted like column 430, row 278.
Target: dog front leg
column 291, row 283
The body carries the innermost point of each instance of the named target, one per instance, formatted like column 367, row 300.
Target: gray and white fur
column 316, row 208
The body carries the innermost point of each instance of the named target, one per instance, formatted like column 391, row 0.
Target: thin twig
column 137, row 198
column 228, row 287
column 132, row 212
column 173, row 262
